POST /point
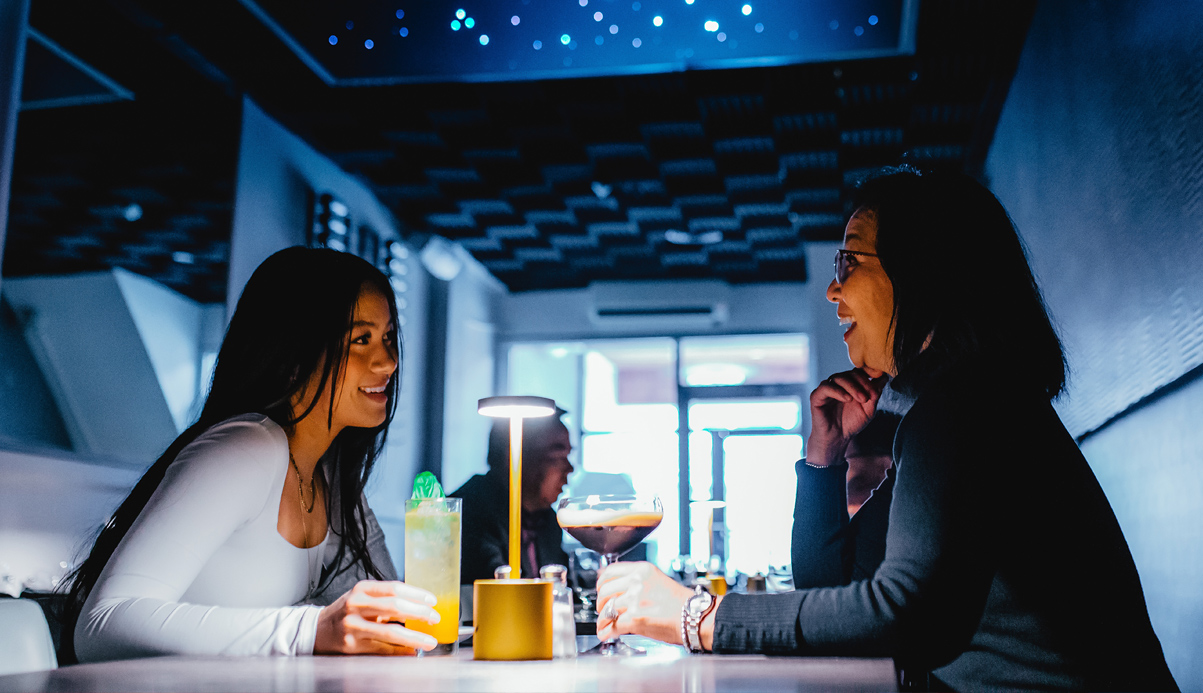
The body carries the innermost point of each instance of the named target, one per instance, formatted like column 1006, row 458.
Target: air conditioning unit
column 659, row 307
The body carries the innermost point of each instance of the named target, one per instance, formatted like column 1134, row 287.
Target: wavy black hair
column 961, row 278
column 292, row 321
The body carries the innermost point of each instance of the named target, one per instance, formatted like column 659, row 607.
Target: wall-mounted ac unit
column 660, row 307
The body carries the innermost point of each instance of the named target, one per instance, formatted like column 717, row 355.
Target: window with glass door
column 728, row 487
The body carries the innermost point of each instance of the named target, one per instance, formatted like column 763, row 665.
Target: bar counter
column 665, row 668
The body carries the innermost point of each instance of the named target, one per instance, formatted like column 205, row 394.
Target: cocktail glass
column 432, row 557
column 610, row 525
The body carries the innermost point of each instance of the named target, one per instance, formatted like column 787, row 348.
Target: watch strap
column 691, row 635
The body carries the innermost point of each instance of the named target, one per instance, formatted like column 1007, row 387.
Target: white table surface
column 664, row 668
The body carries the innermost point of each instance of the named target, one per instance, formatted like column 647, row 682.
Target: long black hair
column 292, row 321
column 960, row 277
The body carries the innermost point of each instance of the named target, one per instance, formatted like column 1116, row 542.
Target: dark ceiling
column 704, row 173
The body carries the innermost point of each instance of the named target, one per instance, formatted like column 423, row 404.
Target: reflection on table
column 665, row 668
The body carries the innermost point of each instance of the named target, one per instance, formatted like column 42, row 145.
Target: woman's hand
column 362, row 621
column 647, row 602
column 840, row 407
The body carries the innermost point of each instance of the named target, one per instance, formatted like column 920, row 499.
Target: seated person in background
column 830, row 546
column 257, row 507
column 545, row 470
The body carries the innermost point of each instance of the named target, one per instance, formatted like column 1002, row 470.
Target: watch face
column 699, row 603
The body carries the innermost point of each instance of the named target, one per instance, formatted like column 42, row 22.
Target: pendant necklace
column 304, row 525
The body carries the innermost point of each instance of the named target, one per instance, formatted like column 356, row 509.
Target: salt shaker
column 563, row 625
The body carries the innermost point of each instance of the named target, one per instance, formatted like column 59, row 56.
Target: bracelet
column 819, row 466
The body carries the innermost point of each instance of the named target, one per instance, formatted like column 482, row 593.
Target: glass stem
column 609, row 646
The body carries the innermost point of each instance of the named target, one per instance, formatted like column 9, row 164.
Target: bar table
column 665, row 668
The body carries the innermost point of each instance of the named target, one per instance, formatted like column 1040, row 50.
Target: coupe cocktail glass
column 610, row 525
column 432, row 557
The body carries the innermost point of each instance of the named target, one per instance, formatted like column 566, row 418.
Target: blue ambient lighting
column 765, row 39
column 484, row 39
column 400, row 14
column 834, row 25
column 369, row 44
column 350, row 26
column 460, row 14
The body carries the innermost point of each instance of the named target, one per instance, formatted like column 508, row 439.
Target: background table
column 665, row 668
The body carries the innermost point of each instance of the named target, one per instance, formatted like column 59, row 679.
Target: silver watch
column 695, row 609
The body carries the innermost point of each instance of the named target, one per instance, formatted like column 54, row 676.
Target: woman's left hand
column 647, row 602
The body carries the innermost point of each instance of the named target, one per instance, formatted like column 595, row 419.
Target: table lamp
column 512, row 617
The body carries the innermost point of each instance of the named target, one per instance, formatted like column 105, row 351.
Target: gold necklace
column 301, row 489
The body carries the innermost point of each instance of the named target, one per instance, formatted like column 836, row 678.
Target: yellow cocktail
column 432, row 559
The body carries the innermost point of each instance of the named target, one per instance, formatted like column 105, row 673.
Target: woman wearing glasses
column 1005, row 567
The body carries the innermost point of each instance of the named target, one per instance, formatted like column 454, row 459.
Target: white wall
column 472, row 306
column 276, row 172
column 752, row 308
column 50, row 509
column 171, row 327
column 85, row 339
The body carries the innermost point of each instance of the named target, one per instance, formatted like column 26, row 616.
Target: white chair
column 25, row 643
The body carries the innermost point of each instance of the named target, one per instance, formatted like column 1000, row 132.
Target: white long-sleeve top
column 203, row 570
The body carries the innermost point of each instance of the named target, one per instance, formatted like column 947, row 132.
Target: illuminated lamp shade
column 520, row 407
column 516, row 409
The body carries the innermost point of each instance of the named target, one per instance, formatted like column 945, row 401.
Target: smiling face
column 362, row 399
column 865, row 300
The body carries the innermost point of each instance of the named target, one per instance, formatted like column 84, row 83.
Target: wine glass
column 610, row 525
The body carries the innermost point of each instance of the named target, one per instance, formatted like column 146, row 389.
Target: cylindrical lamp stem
column 516, row 497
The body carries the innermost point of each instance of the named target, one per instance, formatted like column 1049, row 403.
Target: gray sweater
column 1005, row 567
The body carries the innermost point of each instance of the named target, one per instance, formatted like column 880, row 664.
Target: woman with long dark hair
column 1005, row 567
column 224, row 537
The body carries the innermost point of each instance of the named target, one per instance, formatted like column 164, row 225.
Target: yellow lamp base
column 511, row 620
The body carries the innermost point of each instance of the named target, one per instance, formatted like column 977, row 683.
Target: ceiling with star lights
column 606, row 169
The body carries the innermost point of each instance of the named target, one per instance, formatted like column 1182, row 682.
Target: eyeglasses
column 841, row 263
